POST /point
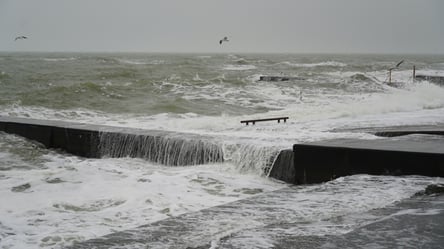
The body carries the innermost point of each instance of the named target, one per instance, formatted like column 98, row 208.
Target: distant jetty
column 278, row 78
column 433, row 79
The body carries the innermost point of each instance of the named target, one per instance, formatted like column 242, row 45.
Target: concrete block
column 283, row 167
column 323, row 161
column 39, row 133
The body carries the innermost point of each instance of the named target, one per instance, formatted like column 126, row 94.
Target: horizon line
column 219, row 52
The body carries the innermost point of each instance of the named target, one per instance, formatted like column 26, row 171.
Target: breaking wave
column 320, row 64
column 239, row 67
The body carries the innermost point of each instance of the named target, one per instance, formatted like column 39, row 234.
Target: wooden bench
column 265, row 119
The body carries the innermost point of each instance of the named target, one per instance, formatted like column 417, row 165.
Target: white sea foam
column 253, row 78
column 142, row 62
column 204, row 56
column 239, row 67
column 318, row 64
column 309, row 119
column 75, row 199
column 333, row 208
column 417, row 97
column 377, row 76
column 419, row 212
column 197, row 77
column 60, row 59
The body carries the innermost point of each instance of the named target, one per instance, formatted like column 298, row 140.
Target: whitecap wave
column 239, row 67
column 319, row 64
column 60, row 59
column 141, row 62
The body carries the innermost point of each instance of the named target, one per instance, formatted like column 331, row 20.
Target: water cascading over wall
column 167, row 148
column 163, row 149
column 252, row 158
column 180, row 150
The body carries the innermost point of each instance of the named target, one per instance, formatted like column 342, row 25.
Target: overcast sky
column 295, row 26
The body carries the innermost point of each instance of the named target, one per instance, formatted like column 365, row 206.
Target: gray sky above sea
column 252, row 26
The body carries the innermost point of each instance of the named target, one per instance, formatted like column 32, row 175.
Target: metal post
column 414, row 73
column 390, row 76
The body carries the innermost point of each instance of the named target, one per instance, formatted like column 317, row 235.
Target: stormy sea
column 52, row 199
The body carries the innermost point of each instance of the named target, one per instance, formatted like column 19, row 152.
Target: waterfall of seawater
column 180, row 151
column 251, row 158
column 166, row 150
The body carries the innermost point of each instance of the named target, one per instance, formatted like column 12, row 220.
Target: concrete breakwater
column 304, row 163
column 402, row 150
column 95, row 141
column 327, row 160
column 279, row 78
column 432, row 78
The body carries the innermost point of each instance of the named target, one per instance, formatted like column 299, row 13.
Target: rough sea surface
column 50, row 199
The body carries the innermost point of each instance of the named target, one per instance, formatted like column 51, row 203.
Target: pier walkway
column 406, row 150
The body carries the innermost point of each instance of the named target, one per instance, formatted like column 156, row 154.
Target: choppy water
column 53, row 199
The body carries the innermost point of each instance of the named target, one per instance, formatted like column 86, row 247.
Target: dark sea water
column 51, row 199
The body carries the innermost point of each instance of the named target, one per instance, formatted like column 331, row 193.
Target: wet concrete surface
column 268, row 221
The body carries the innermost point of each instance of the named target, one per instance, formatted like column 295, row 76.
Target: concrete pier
column 96, row 141
column 431, row 78
column 326, row 160
column 303, row 164
column 279, row 78
column 77, row 139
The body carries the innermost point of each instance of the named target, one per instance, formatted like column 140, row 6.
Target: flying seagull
column 397, row 65
column 223, row 40
column 20, row 38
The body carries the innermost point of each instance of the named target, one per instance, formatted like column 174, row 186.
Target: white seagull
column 223, row 40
